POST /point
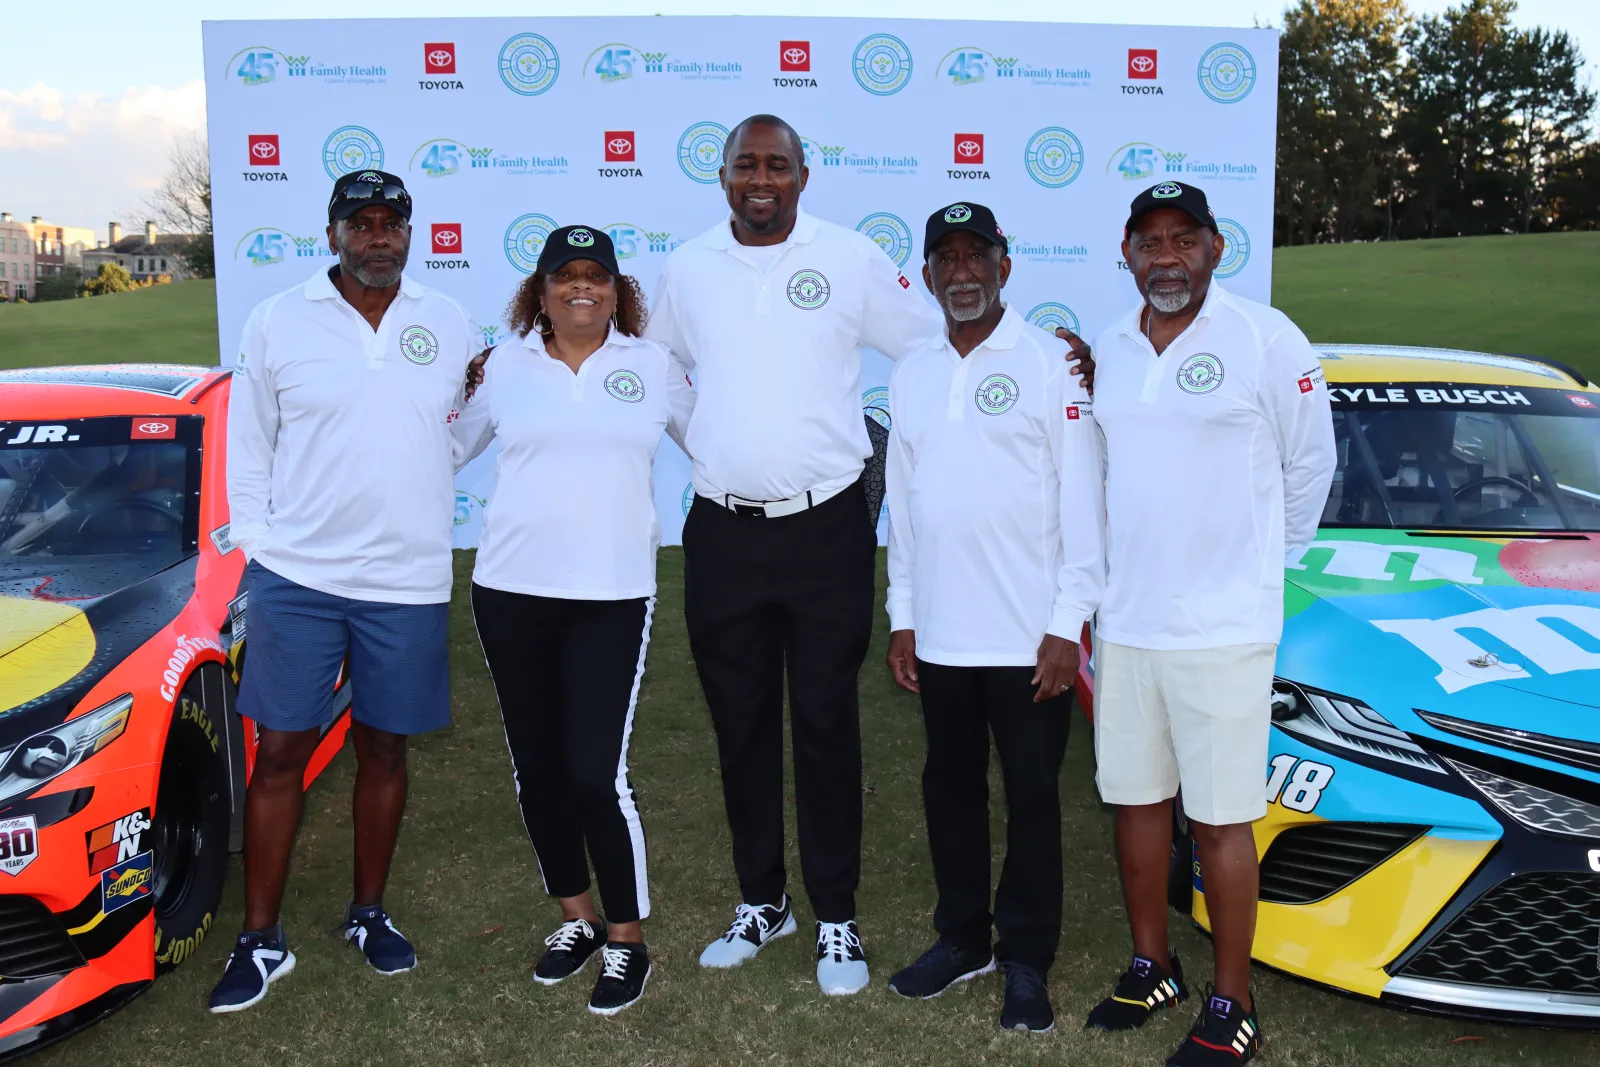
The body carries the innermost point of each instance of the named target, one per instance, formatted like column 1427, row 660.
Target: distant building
column 16, row 258
column 58, row 246
column 149, row 255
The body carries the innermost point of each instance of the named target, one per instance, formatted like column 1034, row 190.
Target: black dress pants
column 764, row 598
column 567, row 673
column 961, row 707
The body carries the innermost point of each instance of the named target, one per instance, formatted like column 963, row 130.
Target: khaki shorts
column 1200, row 718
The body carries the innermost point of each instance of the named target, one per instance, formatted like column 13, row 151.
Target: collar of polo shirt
column 805, row 230
column 321, row 287
column 1215, row 296
column 535, row 340
column 1003, row 336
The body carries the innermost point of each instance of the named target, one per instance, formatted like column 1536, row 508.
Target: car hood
column 1499, row 630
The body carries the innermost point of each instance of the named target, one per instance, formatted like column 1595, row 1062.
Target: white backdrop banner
column 504, row 129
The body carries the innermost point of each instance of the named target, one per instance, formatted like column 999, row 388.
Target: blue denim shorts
column 297, row 638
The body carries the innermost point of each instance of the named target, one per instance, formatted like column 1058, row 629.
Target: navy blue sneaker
column 386, row 948
column 259, row 958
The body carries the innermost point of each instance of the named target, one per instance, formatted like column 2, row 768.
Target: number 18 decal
column 1297, row 783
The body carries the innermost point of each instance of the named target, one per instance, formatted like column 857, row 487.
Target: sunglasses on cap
column 360, row 194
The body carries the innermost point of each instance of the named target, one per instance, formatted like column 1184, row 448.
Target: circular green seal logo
column 808, row 290
column 996, row 394
column 625, row 386
column 890, row 233
column 418, row 345
column 1167, row 190
column 580, row 238
column 1227, row 73
column 958, row 213
column 529, row 64
column 1200, row 373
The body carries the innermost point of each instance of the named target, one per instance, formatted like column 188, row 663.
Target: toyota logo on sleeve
column 969, row 148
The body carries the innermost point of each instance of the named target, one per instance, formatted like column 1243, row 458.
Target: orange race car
column 122, row 760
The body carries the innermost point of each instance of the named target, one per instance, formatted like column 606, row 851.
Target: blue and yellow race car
column 1433, row 829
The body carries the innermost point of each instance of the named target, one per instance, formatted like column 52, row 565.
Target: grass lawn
column 466, row 886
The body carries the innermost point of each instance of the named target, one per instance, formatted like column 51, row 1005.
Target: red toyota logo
column 162, row 431
column 969, row 148
column 794, row 55
column 440, row 58
column 447, row 238
column 263, row 150
column 1141, row 63
column 619, row 146
column 153, row 427
column 1581, row 401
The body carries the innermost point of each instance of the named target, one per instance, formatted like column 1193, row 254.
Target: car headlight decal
column 35, row 760
column 1341, row 722
column 1532, row 806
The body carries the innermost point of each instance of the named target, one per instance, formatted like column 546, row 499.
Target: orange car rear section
column 115, row 888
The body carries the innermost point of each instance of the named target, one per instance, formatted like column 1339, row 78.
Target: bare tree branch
column 182, row 203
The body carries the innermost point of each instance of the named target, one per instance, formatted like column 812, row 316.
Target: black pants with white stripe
column 765, row 598
column 567, row 673
column 961, row 707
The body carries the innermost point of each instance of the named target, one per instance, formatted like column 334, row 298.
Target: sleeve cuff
column 900, row 615
column 1067, row 624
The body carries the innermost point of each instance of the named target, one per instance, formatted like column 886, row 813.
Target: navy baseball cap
column 578, row 242
column 1185, row 197
column 965, row 217
column 364, row 188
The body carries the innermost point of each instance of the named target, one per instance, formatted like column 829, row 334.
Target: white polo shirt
column 774, row 339
column 573, row 512
column 995, row 498
column 1219, row 454
column 339, row 472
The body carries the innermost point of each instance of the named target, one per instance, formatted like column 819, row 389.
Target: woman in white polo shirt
column 565, row 584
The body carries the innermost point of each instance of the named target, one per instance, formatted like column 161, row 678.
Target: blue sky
column 84, row 83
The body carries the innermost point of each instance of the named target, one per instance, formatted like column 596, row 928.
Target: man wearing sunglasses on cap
column 340, row 491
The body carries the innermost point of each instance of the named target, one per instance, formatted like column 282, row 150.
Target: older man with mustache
column 1219, row 450
column 339, row 486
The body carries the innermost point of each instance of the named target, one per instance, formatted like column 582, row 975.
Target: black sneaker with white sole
column 939, row 968
column 1027, row 1001
column 567, row 950
column 624, row 969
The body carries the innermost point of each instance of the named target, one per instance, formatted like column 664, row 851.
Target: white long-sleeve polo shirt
column 774, row 339
column 995, row 498
column 573, row 513
column 1219, row 455
column 339, row 452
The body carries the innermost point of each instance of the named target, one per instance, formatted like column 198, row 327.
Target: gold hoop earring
column 547, row 328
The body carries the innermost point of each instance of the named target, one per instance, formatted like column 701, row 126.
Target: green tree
column 1338, row 87
column 199, row 256
column 1549, row 115
column 111, row 279
column 62, row 285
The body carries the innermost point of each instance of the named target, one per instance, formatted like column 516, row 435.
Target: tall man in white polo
column 1219, row 451
column 339, row 486
column 771, row 309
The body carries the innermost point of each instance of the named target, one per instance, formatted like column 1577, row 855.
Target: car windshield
column 117, row 495
column 1450, row 455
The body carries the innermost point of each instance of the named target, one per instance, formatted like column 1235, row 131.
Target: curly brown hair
column 528, row 303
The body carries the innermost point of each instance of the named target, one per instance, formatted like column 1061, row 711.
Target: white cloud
column 86, row 159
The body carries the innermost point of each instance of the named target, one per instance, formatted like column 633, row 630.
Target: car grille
column 1532, row 931
column 1307, row 863
column 32, row 942
column 1535, row 808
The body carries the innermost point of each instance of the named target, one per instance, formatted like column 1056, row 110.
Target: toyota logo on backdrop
column 794, row 55
column 1141, row 63
column 440, row 58
column 263, row 150
column 447, row 238
column 969, row 148
column 619, row 146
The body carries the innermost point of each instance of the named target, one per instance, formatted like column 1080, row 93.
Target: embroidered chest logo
column 996, row 394
column 1200, row 373
column 625, row 386
column 418, row 345
column 808, row 290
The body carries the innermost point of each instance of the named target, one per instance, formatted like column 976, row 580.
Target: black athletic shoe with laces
column 939, row 968
column 624, row 969
column 1225, row 1035
column 1144, row 989
column 568, row 949
column 1027, row 1001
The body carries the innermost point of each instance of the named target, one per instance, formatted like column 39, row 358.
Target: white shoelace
column 836, row 940
column 567, row 933
column 613, row 963
column 745, row 916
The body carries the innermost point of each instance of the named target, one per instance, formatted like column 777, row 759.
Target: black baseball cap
column 364, row 188
column 578, row 242
column 1181, row 195
column 963, row 217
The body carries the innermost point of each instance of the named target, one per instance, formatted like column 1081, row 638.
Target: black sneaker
column 939, row 968
column 371, row 930
column 259, row 958
column 1225, row 1035
column 1144, row 989
column 568, row 949
column 624, row 969
column 1027, row 1003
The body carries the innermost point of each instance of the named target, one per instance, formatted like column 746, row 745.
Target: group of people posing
column 1155, row 485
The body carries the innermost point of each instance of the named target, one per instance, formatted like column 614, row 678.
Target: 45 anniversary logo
column 618, row 62
column 971, row 65
column 263, row 65
column 1141, row 161
column 443, row 157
